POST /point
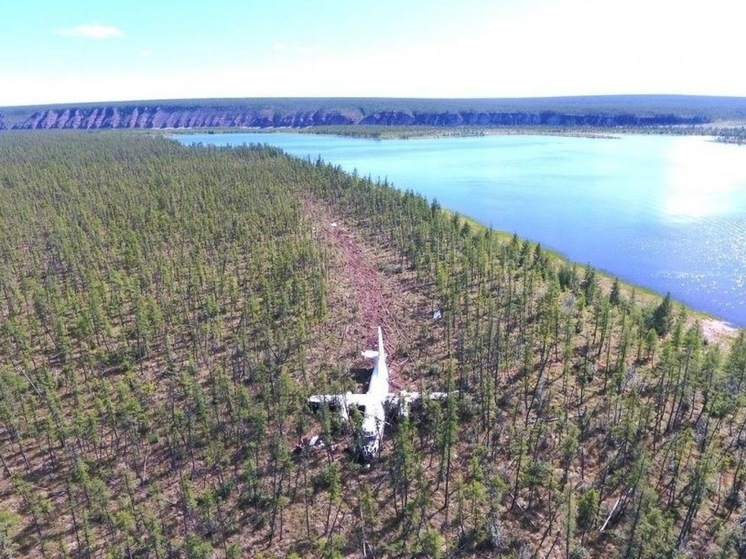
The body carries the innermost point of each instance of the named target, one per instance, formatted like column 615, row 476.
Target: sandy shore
column 718, row 331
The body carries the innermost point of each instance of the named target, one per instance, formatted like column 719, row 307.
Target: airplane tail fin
column 371, row 354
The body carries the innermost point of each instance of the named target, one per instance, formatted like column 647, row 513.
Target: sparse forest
column 732, row 136
column 165, row 311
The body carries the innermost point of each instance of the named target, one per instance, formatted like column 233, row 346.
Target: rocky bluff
column 159, row 116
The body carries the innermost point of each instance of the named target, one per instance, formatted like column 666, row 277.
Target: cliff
column 602, row 111
column 176, row 117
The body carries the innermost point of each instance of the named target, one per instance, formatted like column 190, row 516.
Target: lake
column 664, row 212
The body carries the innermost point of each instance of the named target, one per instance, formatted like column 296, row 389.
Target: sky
column 63, row 51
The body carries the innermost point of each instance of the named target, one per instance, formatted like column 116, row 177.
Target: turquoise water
column 664, row 212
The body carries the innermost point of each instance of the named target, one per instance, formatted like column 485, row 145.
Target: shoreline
column 719, row 134
column 715, row 329
column 719, row 331
column 386, row 132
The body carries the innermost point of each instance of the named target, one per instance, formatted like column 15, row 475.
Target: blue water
column 664, row 212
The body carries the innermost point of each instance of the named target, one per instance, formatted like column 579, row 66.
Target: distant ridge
column 584, row 111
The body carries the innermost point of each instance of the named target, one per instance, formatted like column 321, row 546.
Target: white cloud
column 91, row 31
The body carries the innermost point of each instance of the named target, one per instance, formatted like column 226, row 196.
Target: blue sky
column 55, row 51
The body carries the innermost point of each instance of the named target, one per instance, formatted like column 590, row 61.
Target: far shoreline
column 389, row 132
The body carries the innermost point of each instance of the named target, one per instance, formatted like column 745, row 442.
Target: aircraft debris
column 374, row 404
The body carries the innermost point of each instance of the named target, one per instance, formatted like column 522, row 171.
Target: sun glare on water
column 705, row 179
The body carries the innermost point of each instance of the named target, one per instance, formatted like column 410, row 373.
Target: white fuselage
column 372, row 404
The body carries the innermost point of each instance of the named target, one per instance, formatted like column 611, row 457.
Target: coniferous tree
column 662, row 318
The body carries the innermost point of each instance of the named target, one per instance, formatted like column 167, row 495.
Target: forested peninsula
column 637, row 112
column 165, row 311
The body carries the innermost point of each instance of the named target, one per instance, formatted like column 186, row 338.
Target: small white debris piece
column 438, row 314
column 334, row 223
column 314, row 443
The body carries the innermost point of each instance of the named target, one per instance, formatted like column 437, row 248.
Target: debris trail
column 366, row 288
column 367, row 285
column 365, row 280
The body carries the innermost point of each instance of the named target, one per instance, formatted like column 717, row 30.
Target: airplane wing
column 441, row 395
column 338, row 399
column 339, row 402
column 401, row 401
column 406, row 396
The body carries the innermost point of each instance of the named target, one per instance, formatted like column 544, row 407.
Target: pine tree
column 662, row 318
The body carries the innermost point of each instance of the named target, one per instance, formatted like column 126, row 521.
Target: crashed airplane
column 373, row 405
